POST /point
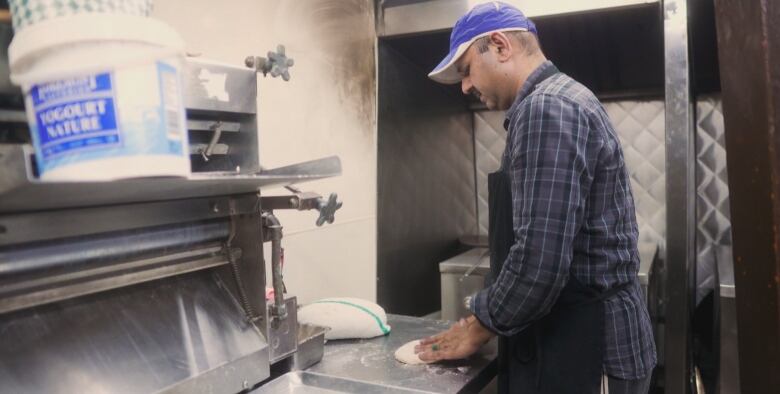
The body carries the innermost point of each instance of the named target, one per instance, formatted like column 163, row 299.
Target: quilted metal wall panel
column 713, row 232
column 640, row 127
column 426, row 184
column 489, row 142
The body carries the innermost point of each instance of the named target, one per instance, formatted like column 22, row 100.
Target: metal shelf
column 20, row 191
column 439, row 15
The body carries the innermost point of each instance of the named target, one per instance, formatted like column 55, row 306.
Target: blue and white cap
column 480, row 21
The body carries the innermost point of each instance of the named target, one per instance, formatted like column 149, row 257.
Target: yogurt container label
column 75, row 114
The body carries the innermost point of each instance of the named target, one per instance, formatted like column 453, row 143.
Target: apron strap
column 597, row 296
column 604, row 295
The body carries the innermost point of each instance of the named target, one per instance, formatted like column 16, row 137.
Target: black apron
column 563, row 351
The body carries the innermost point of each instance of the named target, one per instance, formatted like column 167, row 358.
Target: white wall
column 328, row 108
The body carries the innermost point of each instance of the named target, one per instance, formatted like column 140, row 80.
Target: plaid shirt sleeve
column 547, row 157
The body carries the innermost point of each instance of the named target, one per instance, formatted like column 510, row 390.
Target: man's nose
column 466, row 85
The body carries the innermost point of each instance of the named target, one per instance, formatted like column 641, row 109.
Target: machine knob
column 277, row 63
column 328, row 209
column 280, row 63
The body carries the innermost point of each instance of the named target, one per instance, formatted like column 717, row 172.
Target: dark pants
column 620, row 386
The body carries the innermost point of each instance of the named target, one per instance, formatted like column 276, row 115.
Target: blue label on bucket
column 75, row 114
column 67, row 88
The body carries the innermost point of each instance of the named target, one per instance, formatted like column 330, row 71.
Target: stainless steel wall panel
column 713, row 218
column 427, row 193
column 640, row 127
column 489, row 143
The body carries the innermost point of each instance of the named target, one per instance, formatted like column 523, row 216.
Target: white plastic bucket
column 103, row 97
column 29, row 12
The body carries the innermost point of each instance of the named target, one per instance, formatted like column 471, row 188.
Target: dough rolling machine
column 158, row 285
column 155, row 284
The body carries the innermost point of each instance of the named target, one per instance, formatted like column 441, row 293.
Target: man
column 564, row 298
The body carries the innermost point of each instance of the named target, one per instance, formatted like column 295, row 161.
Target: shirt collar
column 530, row 83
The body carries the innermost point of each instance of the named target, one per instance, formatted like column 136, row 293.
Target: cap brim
column 446, row 72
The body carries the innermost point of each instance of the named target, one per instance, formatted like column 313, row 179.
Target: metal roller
column 23, row 260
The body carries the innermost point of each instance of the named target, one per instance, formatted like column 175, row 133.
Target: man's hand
column 463, row 339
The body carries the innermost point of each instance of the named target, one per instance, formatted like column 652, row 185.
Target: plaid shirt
column 572, row 212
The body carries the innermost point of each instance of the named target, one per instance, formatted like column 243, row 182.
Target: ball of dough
column 406, row 355
column 347, row 318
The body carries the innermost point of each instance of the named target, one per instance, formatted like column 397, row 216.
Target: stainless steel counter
column 372, row 360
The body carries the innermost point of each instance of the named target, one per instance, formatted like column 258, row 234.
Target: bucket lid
column 78, row 29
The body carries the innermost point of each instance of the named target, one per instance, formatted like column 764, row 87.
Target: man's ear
column 502, row 45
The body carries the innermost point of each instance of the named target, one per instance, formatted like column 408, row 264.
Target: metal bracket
column 304, row 201
column 277, row 63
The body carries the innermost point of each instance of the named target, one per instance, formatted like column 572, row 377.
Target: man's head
column 493, row 48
